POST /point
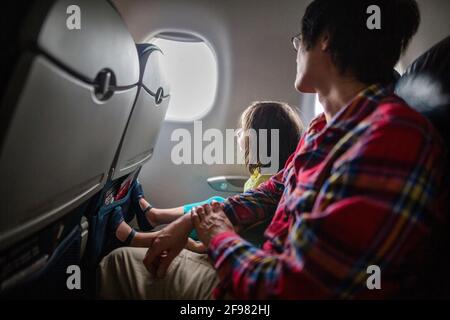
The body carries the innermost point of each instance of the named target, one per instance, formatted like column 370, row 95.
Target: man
column 362, row 189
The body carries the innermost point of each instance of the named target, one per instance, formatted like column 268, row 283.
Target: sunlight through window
column 192, row 73
column 318, row 108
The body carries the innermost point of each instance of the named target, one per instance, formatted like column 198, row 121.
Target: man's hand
column 167, row 244
column 209, row 221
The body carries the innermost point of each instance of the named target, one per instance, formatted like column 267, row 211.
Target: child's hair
column 271, row 115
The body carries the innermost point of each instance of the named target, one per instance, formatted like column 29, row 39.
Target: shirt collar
column 366, row 99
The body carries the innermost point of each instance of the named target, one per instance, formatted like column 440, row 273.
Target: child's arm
column 158, row 216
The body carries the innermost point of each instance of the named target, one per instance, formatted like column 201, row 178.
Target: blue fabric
column 116, row 218
column 101, row 241
column 188, row 207
column 136, row 194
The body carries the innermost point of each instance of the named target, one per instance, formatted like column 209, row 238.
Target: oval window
column 191, row 68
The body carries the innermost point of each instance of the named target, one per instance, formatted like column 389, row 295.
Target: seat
column 66, row 120
column 425, row 86
column 148, row 113
column 136, row 148
column 68, row 98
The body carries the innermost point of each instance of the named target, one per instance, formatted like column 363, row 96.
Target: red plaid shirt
column 360, row 190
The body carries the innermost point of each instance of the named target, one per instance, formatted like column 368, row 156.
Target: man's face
column 311, row 67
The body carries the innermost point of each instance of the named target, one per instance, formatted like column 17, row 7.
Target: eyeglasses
column 296, row 41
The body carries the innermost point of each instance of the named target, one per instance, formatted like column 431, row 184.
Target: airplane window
column 318, row 108
column 191, row 68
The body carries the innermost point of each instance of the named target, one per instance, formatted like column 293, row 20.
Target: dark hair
column 271, row 115
column 369, row 55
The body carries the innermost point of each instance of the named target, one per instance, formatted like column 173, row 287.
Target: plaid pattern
column 360, row 190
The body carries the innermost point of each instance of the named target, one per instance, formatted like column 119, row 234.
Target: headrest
column 152, row 76
column 144, row 50
column 425, row 86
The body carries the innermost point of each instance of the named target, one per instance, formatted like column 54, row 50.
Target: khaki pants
column 124, row 276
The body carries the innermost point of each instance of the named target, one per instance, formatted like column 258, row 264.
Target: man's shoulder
column 394, row 111
column 397, row 123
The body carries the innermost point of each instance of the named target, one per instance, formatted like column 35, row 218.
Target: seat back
column 68, row 100
column 136, row 147
column 148, row 113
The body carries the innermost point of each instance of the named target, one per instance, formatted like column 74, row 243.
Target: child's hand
column 195, row 246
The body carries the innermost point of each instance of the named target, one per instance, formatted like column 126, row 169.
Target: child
column 259, row 115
